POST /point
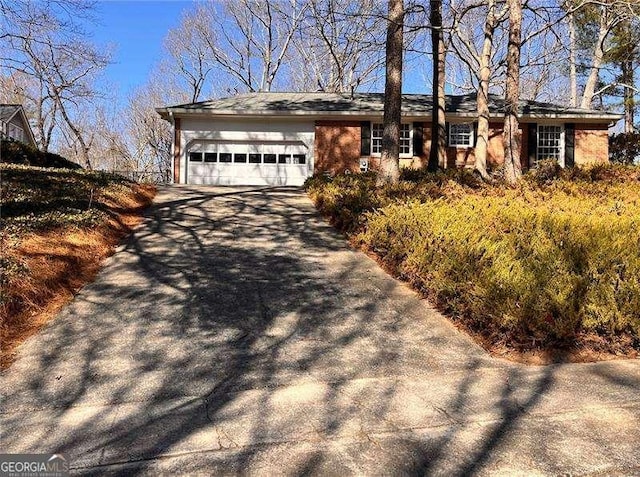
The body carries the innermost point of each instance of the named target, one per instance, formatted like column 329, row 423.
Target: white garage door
column 237, row 163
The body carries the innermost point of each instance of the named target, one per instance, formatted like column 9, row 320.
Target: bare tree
column 390, row 153
column 31, row 93
column 511, row 132
column 252, row 39
column 477, row 53
column 573, row 80
column 48, row 46
column 150, row 137
column 188, row 48
column 593, row 23
column 437, row 152
column 607, row 20
column 68, row 75
column 338, row 46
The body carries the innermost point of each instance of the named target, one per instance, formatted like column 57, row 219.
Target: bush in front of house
column 624, row 148
column 539, row 265
column 14, row 152
column 344, row 198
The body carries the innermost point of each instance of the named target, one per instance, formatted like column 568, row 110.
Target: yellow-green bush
column 542, row 263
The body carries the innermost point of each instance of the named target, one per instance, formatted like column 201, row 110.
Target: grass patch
column 551, row 266
column 56, row 227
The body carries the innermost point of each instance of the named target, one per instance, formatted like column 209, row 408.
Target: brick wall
column 592, row 144
column 461, row 157
column 337, row 146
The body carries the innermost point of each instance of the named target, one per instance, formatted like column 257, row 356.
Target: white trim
column 173, row 147
column 408, row 155
column 472, row 135
column 561, row 145
column 241, row 130
column 283, row 170
column 406, row 115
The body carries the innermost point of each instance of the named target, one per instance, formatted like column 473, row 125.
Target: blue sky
column 136, row 30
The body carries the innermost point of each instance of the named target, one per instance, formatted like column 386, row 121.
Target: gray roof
column 7, row 111
column 345, row 104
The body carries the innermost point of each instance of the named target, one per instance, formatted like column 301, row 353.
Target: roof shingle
column 330, row 103
column 8, row 110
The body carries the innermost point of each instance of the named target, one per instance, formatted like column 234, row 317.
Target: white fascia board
column 584, row 117
column 366, row 115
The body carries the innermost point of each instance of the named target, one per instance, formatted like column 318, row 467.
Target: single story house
column 14, row 124
column 283, row 138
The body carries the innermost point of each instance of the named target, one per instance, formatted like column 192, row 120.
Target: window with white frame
column 461, row 134
column 549, row 142
column 376, row 138
column 405, row 139
column 377, row 130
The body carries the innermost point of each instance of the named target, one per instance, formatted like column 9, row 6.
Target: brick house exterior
column 342, row 139
column 283, row 138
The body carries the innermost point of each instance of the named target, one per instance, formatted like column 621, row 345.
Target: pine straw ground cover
column 56, row 227
column 546, row 271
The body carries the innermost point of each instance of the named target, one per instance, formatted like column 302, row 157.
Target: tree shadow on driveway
column 236, row 332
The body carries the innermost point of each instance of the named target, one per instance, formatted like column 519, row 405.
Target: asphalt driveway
column 237, row 333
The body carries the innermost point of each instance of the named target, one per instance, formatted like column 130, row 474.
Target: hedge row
column 543, row 264
column 14, row 152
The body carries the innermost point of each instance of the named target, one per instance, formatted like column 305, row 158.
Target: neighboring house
column 283, row 138
column 15, row 125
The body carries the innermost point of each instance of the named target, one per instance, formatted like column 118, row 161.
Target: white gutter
column 231, row 113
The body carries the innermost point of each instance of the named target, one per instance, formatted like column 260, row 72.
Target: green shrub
column 14, row 152
column 544, row 263
column 344, row 197
column 38, row 198
column 624, row 148
column 544, row 172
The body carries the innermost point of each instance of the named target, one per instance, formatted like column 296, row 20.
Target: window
column 461, row 134
column 405, row 139
column 549, row 142
column 210, row 157
column 224, row 157
column 15, row 132
column 284, row 159
column 376, row 138
column 195, row 157
column 255, row 158
column 239, row 157
column 299, row 159
column 269, row 158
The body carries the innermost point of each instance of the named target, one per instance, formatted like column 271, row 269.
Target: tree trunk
column 511, row 135
column 84, row 148
column 390, row 154
column 598, row 58
column 482, row 141
column 437, row 151
column 573, row 81
column 629, row 102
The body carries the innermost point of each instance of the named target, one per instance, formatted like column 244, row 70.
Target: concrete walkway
column 237, row 333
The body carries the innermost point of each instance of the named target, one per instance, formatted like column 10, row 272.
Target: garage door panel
column 265, row 163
